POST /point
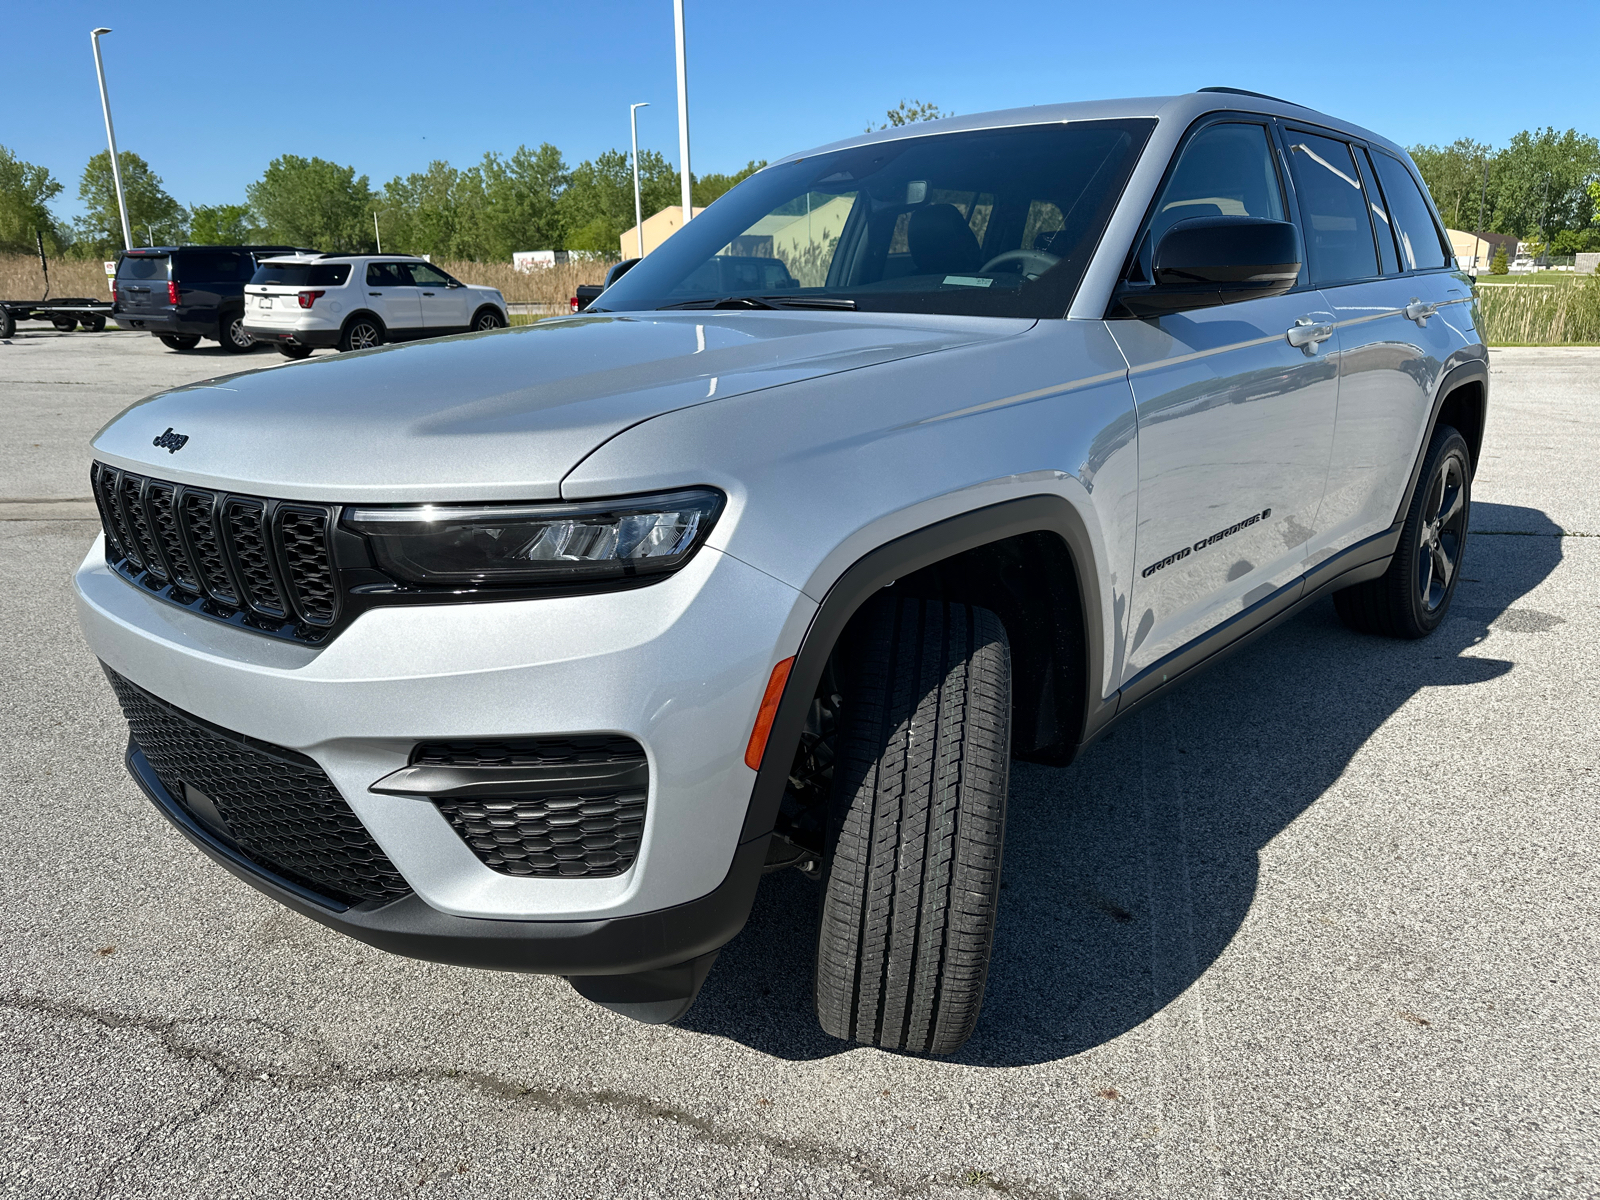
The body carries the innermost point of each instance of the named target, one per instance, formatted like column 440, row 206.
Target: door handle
column 1307, row 334
column 375, row 293
column 427, row 293
column 1419, row 312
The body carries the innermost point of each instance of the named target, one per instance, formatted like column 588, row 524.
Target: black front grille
column 262, row 563
column 276, row 806
column 584, row 832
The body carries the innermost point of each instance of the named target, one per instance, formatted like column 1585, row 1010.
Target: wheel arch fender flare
column 894, row 560
column 363, row 312
column 1463, row 392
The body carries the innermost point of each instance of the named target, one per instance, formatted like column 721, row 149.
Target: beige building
column 657, row 229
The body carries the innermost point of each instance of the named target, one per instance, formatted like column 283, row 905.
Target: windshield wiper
column 770, row 302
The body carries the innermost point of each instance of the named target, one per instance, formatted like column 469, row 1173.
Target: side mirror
column 1207, row 261
column 618, row 270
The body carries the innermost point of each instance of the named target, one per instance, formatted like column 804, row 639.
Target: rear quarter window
column 211, row 266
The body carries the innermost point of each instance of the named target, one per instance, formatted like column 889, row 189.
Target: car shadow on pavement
column 1128, row 873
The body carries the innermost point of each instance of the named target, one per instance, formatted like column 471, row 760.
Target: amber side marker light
column 768, row 713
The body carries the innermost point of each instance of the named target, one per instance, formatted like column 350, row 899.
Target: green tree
column 1541, row 182
column 315, row 203
column 1498, row 264
column 25, row 191
column 521, row 201
column 707, row 188
column 438, row 211
column 154, row 216
column 1454, row 174
column 909, row 112
column 222, row 225
column 596, row 206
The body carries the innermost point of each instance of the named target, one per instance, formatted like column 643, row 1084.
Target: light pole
column 1483, row 195
column 376, row 236
column 638, row 207
column 683, row 112
column 111, row 139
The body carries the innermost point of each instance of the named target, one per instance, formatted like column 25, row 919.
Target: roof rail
column 1242, row 92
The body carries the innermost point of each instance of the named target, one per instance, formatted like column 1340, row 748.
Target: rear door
column 392, row 294
column 210, row 282
column 1389, row 278
column 446, row 305
column 1234, row 423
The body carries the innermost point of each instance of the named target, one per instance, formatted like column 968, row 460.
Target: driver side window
column 1226, row 171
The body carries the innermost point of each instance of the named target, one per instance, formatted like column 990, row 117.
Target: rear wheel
column 174, row 341
column 234, row 338
column 362, row 333
column 8, row 323
column 94, row 324
column 1411, row 598
column 487, row 318
column 64, row 324
column 291, row 350
column 917, row 825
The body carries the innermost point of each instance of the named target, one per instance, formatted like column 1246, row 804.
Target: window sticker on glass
column 968, row 280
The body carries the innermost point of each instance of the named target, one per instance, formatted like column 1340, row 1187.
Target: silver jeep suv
column 533, row 650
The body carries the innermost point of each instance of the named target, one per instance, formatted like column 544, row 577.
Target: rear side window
column 1333, row 209
column 1421, row 246
column 143, row 266
column 302, row 274
column 1382, row 224
column 211, row 266
column 388, row 275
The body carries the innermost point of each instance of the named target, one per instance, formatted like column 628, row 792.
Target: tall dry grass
column 553, row 286
column 21, row 279
column 1562, row 314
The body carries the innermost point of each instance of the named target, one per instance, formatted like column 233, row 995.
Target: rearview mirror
column 1207, row 261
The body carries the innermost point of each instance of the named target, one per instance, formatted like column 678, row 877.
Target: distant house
column 657, row 229
column 1479, row 249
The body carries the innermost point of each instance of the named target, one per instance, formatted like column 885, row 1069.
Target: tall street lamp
column 111, row 139
column 683, row 112
column 638, row 207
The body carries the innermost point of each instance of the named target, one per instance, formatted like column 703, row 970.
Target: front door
column 1234, row 422
column 446, row 305
column 393, row 296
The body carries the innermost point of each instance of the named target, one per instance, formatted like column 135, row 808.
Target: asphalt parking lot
column 1321, row 925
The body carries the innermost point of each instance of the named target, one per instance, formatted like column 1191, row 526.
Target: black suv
column 184, row 293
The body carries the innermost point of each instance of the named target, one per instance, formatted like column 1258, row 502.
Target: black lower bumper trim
column 320, row 338
column 613, row 946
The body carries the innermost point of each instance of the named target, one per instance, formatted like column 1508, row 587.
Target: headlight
column 445, row 545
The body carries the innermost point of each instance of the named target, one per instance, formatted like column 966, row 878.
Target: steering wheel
column 1031, row 263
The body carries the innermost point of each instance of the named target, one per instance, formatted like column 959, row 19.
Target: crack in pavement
column 236, row 1074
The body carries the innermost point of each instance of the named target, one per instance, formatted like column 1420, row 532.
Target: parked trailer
column 65, row 314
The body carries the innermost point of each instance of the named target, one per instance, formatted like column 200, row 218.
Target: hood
column 501, row 415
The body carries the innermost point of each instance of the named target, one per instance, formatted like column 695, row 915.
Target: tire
column 176, row 341
column 917, row 824
column 94, row 324
column 233, row 337
column 290, row 350
column 1412, row 597
column 8, row 323
column 487, row 318
column 361, row 332
column 64, row 324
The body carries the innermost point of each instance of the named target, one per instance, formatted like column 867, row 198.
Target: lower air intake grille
column 585, row 832
column 276, row 806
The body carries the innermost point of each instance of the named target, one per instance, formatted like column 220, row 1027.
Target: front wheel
column 363, row 333
column 64, row 324
column 175, row 341
column 1411, row 598
column 95, row 324
column 487, row 318
column 916, row 828
column 234, row 338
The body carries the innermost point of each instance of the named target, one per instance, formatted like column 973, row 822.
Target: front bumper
column 613, row 946
column 679, row 666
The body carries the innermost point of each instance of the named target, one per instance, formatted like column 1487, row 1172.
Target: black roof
column 201, row 246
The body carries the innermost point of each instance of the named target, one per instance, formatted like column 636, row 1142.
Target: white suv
column 358, row 301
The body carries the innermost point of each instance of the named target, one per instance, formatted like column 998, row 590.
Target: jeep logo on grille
column 171, row 442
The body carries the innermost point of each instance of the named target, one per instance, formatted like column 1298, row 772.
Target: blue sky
column 209, row 93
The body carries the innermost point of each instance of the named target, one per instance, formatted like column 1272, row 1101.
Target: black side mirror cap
column 1207, row 261
column 618, row 270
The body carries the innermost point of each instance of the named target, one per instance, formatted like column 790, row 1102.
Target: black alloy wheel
column 363, row 333
column 178, row 341
column 234, row 338
column 294, row 350
column 1411, row 599
column 487, row 319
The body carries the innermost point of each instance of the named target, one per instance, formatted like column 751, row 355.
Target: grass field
column 1536, row 278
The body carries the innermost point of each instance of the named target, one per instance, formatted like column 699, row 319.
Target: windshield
column 293, row 274
column 997, row 222
column 142, row 266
